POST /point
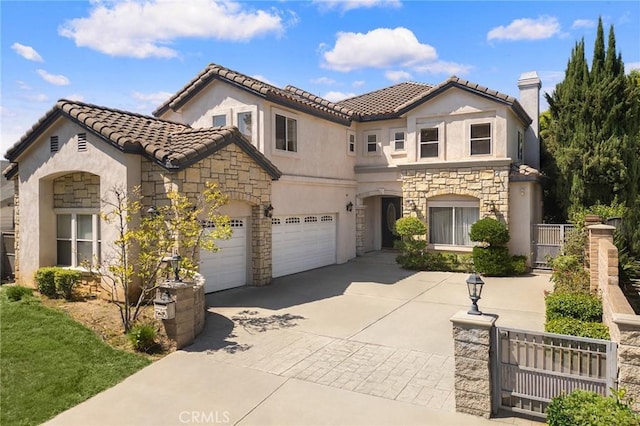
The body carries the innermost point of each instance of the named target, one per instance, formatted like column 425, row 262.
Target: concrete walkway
column 361, row 343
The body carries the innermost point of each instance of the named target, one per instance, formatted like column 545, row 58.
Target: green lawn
column 49, row 363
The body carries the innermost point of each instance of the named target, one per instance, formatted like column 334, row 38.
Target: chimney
column 529, row 85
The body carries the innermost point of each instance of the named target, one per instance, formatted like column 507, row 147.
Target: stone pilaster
column 472, row 349
column 597, row 233
column 360, row 226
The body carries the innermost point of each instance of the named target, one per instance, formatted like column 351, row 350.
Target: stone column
column 182, row 328
column 360, row 210
column 629, row 355
column 596, row 233
column 472, row 347
column 261, row 250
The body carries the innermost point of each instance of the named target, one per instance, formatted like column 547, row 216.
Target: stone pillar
column 188, row 320
column 261, row 250
column 472, row 348
column 595, row 234
column 629, row 355
column 360, row 216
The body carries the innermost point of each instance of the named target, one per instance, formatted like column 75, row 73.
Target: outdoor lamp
column 350, row 206
column 268, row 212
column 152, row 211
column 175, row 265
column 474, row 286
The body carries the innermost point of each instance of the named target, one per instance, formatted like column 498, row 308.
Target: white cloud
column 631, row 66
column 75, row 97
column 56, row 80
column 379, row 48
column 397, row 75
column 263, row 79
column 23, row 85
column 526, row 29
column 156, row 98
column 443, row 67
column 347, row 5
column 358, row 83
column 323, row 80
column 37, row 97
column 145, row 28
column 583, row 23
column 27, row 52
column 337, row 96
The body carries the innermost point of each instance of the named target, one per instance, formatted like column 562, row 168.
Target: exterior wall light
column 474, row 286
column 152, row 212
column 176, row 259
column 412, row 206
column 349, row 206
column 268, row 211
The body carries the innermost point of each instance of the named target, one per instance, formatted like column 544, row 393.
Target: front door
column 390, row 213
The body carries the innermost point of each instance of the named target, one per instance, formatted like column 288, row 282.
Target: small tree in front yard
column 134, row 265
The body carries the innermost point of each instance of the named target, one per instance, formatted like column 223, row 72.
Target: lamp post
column 474, row 287
column 175, row 265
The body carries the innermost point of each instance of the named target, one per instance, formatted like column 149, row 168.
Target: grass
column 50, row 363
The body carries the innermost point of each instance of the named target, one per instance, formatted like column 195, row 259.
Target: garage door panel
column 226, row 268
column 301, row 243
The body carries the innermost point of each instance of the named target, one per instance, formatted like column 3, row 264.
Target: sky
column 134, row 54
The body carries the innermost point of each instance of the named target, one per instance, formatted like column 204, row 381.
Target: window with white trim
column 245, row 124
column 450, row 222
column 371, row 143
column 398, row 139
column 286, row 133
column 520, row 146
column 219, row 120
column 429, row 142
column 351, row 143
column 480, row 139
column 77, row 238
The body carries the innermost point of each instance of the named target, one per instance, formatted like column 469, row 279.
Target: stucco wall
column 523, row 211
column 38, row 169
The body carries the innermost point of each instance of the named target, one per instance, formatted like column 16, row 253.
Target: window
column 245, row 124
column 451, row 225
column 372, row 143
column 520, row 146
column 397, row 140
column 286, row 133
column 429, row 141
column 54, row 144
column 82, row 141
column 221, row 120
column 77, row 238
column 480, row 139
column 351, row 143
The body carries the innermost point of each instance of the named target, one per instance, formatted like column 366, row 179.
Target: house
column 311, row 182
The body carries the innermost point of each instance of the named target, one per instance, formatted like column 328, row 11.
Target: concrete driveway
column 363, row 343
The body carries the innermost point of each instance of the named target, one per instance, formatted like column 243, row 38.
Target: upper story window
column 520, row 146
column 480, row 139
column 398, row 139
column 245, row 124
column 429, row 141
column 221, row 120
column 54, row 143
column 351, row 143
column 372, row 143
column 286, row 133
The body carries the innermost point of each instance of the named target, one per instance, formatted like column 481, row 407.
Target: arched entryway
column 377, row 212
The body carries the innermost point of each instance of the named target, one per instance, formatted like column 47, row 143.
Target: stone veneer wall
column 360, row 225
column 489, row 185
column 238, row 176
column 77, row 190
column 16, row 229
column 617, row 313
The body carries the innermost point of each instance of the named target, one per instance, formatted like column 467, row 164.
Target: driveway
column 360, row 343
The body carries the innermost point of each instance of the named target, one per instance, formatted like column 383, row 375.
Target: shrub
column 575, row 243
column 492, row 261
column 586, row 408
column 575, row 327
column 489, row 231
column 569, row 276
column 65, row 280
column 581, row 306
column 142, row 337
column 410, row 227
column 45, row 281
column 518, row 265
column 17, row 292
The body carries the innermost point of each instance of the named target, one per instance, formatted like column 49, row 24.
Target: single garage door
column 304, row 242
column 226, row 268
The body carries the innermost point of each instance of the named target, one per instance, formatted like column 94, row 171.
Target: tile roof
column 172, row 145
column 388, row 102
column 523, row 172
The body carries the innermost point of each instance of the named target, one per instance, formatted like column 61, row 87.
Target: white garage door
column 304, row 242
column 226, row 268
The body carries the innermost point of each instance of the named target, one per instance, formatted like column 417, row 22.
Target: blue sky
column 133, row 55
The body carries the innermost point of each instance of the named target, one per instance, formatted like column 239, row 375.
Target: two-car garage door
column 299, row 243
column 302, row 242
